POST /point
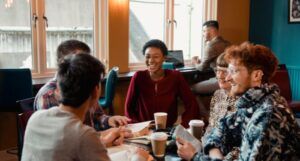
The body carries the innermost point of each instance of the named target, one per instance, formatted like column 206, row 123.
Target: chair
column 168, row 65
column 281, row 78
column 106, row 102
column 26, row 106
column 15, row 84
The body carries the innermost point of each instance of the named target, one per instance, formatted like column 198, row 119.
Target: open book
column 139, row 129
column 140, row 133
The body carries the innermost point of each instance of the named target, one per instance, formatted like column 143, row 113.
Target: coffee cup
column 196, row 127
column 158, row 143
column 160, row 120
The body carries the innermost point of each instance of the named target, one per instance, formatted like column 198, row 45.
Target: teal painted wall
column 269, row 26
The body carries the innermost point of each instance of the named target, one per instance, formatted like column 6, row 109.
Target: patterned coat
column 221, row 105
column 263, row 127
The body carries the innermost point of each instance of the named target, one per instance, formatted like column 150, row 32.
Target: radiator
column 294, row 73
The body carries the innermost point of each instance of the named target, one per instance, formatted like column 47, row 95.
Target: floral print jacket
column 263, row 127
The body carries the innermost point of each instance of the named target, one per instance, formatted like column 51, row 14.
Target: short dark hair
column 254, row 57
column 157, row 44
column 77, row 76
column 211, row 23
column 71, row 47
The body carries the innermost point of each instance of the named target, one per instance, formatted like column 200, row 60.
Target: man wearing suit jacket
column 214, row 46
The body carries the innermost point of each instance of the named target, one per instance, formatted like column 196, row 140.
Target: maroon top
column 145, row 97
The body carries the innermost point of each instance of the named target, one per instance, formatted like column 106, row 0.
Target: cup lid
column 196, row 123
column 160, row 114
column 158, row 136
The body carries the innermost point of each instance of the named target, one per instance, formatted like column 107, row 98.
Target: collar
column 255, row 95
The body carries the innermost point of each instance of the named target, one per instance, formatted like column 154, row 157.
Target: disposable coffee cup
column 158, row 143
column 196, row 127
column 160, row 120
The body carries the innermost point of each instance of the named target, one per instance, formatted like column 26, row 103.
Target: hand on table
column 115, row 121
column 196, row 60
column 185, row 149
column 112, row 136
column 139, row 154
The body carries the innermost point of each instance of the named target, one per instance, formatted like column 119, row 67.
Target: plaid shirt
column 48, row 97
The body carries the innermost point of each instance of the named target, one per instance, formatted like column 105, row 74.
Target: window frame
column 38, row 32
column 209, row 13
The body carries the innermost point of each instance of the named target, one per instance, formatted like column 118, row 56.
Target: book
column 183, row 133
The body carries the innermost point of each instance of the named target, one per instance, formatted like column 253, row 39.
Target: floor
column 4, row 156
column 8, row 130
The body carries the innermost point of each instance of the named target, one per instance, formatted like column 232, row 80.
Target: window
column 30, row 31
column 146, row 22
column 15, row 35
column 188, row 27
column 177, row 22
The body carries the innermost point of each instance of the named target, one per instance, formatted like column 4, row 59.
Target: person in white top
column 58, row 134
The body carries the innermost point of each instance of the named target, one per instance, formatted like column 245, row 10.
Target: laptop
column 175, row 57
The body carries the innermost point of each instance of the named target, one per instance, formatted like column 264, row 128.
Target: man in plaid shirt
column 48, row 95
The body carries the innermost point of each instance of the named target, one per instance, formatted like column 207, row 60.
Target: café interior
column 116, row 30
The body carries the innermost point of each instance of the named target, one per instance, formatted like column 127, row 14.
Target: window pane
column 15, row 35
column 146, row 22
column 67, row 19
column 188, row 32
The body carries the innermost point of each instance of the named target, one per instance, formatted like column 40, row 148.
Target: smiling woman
column 156, row 90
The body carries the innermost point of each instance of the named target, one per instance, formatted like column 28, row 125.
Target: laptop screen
column 176, row 57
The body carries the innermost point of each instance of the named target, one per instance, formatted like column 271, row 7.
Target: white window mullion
column 210, row 10
column 169, row 23
column 101, row 30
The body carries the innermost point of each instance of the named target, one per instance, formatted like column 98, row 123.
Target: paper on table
column 137, row 127
column 181, row 132
column 122, row 153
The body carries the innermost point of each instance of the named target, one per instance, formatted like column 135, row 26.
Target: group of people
column 249, row 120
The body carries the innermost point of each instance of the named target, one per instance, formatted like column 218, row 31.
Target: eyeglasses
column 232, row 71
column 221, row 71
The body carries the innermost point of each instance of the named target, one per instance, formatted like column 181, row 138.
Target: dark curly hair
column 157, row 44
column 77, row 76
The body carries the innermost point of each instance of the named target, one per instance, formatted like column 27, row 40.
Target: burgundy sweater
column 145, row 97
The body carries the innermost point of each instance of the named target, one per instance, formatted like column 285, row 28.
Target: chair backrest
column 26, row 106
column 15, row 84
column 281, row 78
column 110, row 86
column 22, row 120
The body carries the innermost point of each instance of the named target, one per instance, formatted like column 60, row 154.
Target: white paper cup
column 160, row 120
column 158, row 142
column 196, row 127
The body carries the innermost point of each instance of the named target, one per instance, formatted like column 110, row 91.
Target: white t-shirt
column 57, row 135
